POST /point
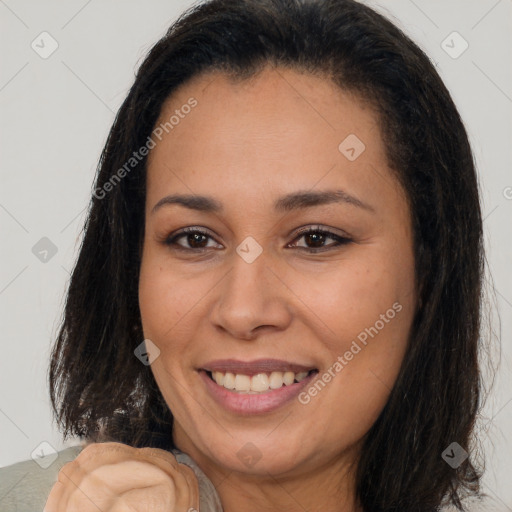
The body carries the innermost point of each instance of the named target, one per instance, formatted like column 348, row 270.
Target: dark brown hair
column 101, row 391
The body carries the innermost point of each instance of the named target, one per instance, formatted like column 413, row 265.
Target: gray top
column 25, row 486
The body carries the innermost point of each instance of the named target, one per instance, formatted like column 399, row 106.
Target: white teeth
column 276, row 380
column 242, row 383
column 229, row 380
column 288, row 378
column 259, row 383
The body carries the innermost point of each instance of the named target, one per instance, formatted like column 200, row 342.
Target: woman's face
column 250, row 298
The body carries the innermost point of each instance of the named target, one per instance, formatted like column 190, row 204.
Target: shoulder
column 25, row 486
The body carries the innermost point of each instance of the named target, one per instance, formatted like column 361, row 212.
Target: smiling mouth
column 257, row 383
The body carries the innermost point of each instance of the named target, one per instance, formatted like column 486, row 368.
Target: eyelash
column 339, row 240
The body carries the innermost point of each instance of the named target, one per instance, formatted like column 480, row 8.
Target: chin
column 259, row 457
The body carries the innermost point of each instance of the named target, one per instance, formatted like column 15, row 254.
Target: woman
column 287, row 212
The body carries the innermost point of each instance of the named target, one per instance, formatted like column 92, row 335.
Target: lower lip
column 257, row 403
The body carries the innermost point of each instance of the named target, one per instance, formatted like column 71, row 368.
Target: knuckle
column 167, row 458
column 90, row 451
column 65, row 473
column 157, row 452
column 169, row 483
column 162, row 496
column 94, row 450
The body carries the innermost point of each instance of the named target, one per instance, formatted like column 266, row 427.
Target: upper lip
column 251, row 368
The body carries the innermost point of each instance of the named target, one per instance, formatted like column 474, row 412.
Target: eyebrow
column 287, row 203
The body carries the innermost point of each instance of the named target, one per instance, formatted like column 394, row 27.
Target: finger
column 54, row 500
column 99, row 454
column 186, row 484
column 107, row 470
column 164, row 459
column 185, row 480
column 83, row 484
column 92, row 476
column 96, row 454
column 58, row 498
column 79, row 491
column 102, row 453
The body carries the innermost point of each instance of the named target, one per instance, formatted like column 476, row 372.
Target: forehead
column 277, row 131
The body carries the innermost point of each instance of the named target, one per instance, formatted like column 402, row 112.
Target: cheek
column 160, row 302
column 152, row 298
column 171, row 303
column 365, row 336
column 353, row 295
column 365, row 307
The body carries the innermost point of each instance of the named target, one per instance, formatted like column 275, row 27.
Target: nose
column 251, row 299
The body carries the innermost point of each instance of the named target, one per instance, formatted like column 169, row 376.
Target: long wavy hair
column 100, row 391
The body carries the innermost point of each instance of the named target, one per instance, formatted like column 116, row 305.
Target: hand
column 114, row 477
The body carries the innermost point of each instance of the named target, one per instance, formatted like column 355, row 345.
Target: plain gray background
column 55, row 115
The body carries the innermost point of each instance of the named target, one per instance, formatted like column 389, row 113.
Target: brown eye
column 195, row 239
column 315, row 240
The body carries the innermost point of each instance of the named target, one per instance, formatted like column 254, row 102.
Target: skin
column 114, row 477
column 246, row 144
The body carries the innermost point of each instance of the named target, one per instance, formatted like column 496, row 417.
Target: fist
column 114, row 477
